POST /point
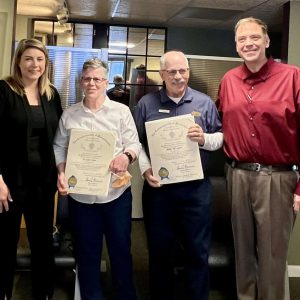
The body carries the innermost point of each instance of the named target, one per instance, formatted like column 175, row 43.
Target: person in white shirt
column 95, row 216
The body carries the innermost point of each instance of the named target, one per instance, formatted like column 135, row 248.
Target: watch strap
column 130, row 158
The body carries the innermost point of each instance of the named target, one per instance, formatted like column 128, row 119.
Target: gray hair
column 95, row 63
column 163, row 58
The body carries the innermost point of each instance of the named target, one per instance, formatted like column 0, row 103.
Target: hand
column 5, row 196
column 296, row 203
column 148, row 175
column 196, row 134
column 61, row 184
column 119, row 164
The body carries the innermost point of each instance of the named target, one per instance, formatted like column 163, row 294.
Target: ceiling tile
column 185, row 13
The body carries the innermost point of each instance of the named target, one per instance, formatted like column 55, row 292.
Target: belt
column 257, row 167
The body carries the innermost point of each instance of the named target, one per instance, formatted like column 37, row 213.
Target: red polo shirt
column 261, row 114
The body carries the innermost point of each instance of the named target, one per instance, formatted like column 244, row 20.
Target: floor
column 64, row 286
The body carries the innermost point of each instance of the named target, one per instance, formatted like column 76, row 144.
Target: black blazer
column 15, row 128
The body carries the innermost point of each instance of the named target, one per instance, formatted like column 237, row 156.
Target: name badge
column 196, row 113
column 164, row 111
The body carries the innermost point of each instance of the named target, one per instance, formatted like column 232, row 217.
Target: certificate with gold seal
column 174, row 157
column 87, row 167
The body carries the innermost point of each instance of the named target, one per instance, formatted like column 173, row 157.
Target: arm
column 60, row 146
column 206, row 141
column 144, row 161
column 212, row 141
column 146, row 169
column 297, row 103
column 58, row 106
column 130, row 142
column 5, row 196
column 61, row 179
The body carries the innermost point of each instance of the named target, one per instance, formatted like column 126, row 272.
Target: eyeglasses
column 172, row 73
column 95, row 79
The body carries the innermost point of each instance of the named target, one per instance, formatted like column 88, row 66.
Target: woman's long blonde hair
column 15, row 79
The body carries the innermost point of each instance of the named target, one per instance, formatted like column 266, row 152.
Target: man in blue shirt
column 178, row 212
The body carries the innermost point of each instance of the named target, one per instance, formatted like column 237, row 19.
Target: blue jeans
column 178, row 214
column 92, row 221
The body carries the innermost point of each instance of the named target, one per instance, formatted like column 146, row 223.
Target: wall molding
column 294, row 271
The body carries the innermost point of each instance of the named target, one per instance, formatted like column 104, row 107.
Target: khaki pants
column 262, row 221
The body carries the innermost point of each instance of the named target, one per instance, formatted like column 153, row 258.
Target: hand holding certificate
column 174, row 157
column 89, row 155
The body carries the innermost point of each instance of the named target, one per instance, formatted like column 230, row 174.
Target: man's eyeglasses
column 95, row 79
column 172, row 73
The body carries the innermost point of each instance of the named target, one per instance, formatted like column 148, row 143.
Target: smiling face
column 32, row 64
column 175, row 73
column 251, row 43
column 94, row 83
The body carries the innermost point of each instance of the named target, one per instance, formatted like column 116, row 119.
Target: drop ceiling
column 214, row 14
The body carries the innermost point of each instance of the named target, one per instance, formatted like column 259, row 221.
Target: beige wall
column 7, row 9
column 294, row 58
column 23, row 24
column 294, row 34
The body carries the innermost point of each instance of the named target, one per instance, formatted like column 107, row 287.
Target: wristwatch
column 130, row 158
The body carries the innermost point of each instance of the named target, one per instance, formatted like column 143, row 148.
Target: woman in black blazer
column 30, row 109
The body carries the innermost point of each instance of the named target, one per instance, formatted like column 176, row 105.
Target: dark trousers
column 90, row 223
column 37, row 205
column 178, row 213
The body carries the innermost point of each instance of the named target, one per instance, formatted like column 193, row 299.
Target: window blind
column 206, row 72
column 65, row 70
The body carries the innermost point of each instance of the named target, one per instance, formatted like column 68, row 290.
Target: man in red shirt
column 260, row 105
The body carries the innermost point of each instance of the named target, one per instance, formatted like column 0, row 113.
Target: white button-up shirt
column 112, row 116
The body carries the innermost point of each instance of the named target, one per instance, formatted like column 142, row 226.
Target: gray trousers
column 262, row 221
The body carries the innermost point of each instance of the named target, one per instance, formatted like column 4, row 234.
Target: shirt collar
column 187, row 97
column 106, row 103
column 262, row 74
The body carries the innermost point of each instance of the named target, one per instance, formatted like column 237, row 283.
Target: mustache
column 178, row 81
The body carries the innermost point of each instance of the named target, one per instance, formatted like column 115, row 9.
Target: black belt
column 257, row 167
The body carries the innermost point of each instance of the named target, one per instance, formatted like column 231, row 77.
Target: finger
column 9, row 198
column 153, row 183
column 6, row 206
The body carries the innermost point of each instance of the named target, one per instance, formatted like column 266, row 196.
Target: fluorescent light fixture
column 114, row 51
column 63, row 14
column 115, row 9
column 121, row 44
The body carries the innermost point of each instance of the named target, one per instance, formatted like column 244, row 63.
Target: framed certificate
column 174, row 157
column 87, row 167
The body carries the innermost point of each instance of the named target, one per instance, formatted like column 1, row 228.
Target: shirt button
column 252, row 87
column 253, row 134
column 251, row 118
